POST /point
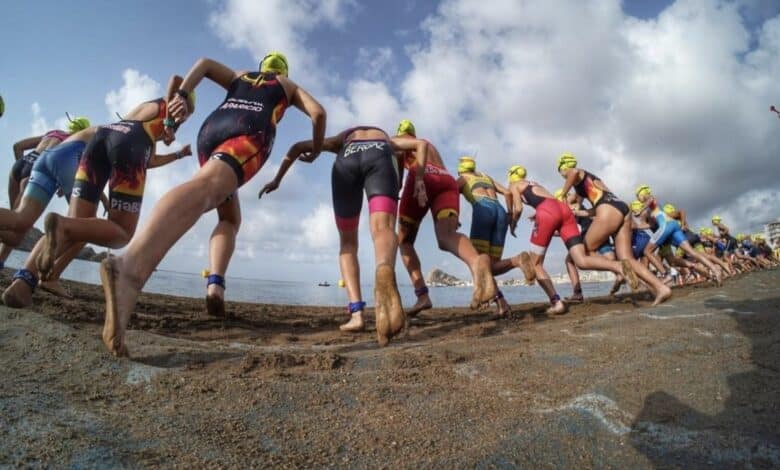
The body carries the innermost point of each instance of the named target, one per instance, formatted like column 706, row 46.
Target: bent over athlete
column 553, row 216
column 612, row 217
column 233, row 144
column 118, row 155
column 365, row 162
column 440, row 194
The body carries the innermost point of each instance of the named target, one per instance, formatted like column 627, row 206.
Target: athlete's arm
column 160, row 160
column 420, row 148
column 300, row 151
column 499, row 189
column 572, row 178
column 26, row 144
column 302, row 100
column 516, row 210
column 218, row 73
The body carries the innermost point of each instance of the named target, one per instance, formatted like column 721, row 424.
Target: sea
column 268, row 291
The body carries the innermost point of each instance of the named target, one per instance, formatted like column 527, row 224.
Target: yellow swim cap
column 643, row 190
column 758, row 236
column 637, row 206
column 516, row 173
column 740, row 237
column 566, row 160
column 275, row 61
column 78, row 124
column 406, row 127
column 716, row 219
column 466, row 164
column 669, row 209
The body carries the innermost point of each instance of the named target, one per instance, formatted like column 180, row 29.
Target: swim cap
column 669, row 209
column 758, row 236
column 406, row 127
column 740, row 237
column 637, row 206
column 466, row 164
column 275, row 61
column 716, row 219
column 643, row 190
column 558, row 193
column 516, row 173
column 78, row 124
column 566, row 160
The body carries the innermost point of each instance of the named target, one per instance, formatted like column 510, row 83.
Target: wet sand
column 616, row 383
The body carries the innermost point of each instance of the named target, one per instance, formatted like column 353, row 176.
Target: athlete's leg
column 13, row 190
column 174, row 214
column 451, row 240
column 221, row 246
column 14, row 224
column 386, row 297
column 407, row 234
column 625, row 252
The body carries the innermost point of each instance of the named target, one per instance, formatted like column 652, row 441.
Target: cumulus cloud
column 136, row 88
column 283, row 25
column 38, row 125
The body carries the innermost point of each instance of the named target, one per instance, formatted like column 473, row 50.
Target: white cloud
column 136, row 88
column 376, row 63
column 38, row 125
column 281, row 25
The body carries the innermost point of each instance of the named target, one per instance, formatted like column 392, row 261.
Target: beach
column 614, row 383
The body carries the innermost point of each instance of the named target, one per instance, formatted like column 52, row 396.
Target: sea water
column 303, row 293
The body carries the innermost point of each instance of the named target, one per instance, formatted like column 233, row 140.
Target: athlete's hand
column 178, row 108
column 512, row 228
column 169, row 135
column 185, row 151
column 419, row 193
column 268, row 188
column 308, row 157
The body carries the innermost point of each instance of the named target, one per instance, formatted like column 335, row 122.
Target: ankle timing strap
column 421, row 291
column 355, row 307
column 27, row 276
column 499, row 296
column 555, row 299
column 215, row 279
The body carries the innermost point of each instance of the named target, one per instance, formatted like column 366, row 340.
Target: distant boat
column 324, row 284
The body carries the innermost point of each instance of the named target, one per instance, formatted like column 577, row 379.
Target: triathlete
column 612, row 218
column 365, row 162
column 233, row 144
column 432, row 178
column 489, row 221
column 118, row 155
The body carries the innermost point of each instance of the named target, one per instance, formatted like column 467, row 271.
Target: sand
column 614, row 383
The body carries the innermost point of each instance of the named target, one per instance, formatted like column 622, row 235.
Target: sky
column 674, row 94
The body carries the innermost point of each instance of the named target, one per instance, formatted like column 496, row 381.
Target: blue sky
column 670, row 93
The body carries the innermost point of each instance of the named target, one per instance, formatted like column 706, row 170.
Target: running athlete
column 118, row 155
column 725, row 235
column 365, row 162
column 233, row 144
column 489, row 222
column 611, row 218
column 553, row 215
column 670, row 224
column 429, row 186
column 20, row 172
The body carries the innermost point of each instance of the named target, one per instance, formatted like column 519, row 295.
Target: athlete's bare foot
column 423, row 303
column 662, row 295
column 717, row 277
column 215, row 301
column 559, row 308
column 484, row 284
column 528, row 268
column 390, row 318
column 354, row 324
column 120, row 300
column 54, row 287
column 45, row 260
column 630, row 275
column 18, row 294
